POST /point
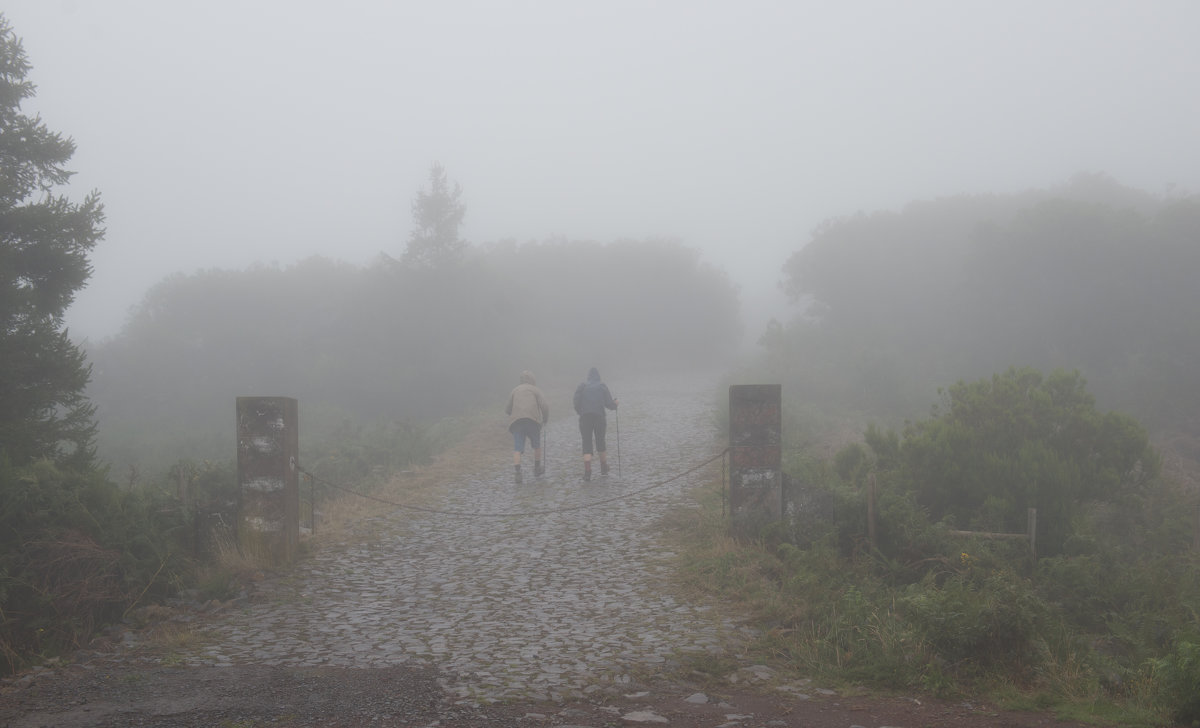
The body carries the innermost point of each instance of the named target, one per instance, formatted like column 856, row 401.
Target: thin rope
column 517, row 514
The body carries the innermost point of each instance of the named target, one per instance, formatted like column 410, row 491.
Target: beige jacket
column 527, row 402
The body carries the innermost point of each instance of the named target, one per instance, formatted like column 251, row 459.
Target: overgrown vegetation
column 77, row 552
column 1101, row 621
column 1089, row 282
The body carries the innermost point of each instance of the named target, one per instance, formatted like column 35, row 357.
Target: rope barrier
column 518, row 514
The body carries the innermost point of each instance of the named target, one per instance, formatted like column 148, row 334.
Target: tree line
column 392, row 341
column 968, row 359
column 1091, row 276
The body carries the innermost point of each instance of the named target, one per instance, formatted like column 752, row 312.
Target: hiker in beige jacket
column 527, row 411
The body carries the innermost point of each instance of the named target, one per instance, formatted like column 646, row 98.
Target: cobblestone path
column 544, row 606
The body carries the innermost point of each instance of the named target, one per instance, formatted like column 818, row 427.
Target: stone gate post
column 268, row 523
column 755, row 444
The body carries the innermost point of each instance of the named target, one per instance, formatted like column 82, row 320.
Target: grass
column 470, row 444
column 827, row 618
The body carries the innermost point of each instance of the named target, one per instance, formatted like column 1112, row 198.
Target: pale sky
column 221, row 134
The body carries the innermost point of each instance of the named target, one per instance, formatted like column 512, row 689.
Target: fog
column 221, row 134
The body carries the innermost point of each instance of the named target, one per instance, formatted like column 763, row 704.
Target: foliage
column 1089, row 276
column 978, row 620
column 437, row 214
column 1087, row 280
column 963, row 620
column 77, row 552
column 1088, row 626
column 1021, row 441
column 1179, row 678
column 359, row 454
column 394, row 344
column 44, row 242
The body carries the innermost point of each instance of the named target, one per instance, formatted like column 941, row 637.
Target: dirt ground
column 111, row 694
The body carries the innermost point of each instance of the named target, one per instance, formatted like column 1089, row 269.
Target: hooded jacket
column 592, row 397
column 527, row 402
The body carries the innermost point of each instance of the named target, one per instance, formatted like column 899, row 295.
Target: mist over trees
column 1091, row 280
column 437, row 215
column 396, row 341
column 972, row 386
column 1090, row 276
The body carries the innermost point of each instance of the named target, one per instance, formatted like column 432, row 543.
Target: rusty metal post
column 268, row 524
column 755, row 457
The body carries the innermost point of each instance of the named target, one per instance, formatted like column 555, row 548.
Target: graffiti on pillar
column 269, row 500
column 755, row 441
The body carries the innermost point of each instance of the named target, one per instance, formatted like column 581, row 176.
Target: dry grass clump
column 478, row 446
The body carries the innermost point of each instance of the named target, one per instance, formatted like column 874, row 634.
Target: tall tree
column 437, row 214
column 44, row 245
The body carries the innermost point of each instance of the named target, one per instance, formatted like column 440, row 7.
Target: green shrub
column 1179, row 682
column 992, row 619
column 76, row 552
column 358, row 454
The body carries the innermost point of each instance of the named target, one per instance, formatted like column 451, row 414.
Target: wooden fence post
column 871, row 511
column 1196, row 536
column 1033, row 531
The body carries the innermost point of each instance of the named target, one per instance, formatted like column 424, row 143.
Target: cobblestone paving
column 552, row 605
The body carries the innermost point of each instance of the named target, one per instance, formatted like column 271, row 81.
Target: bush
column 366, row 454
column 77, row 552
column 1179, row 682
column 992, row 619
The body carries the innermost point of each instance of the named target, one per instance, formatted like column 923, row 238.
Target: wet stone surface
column 547, row 605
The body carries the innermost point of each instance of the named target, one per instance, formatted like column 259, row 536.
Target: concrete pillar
column 268, row 525
column 755, row 452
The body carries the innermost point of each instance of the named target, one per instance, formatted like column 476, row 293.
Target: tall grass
column 972, row 627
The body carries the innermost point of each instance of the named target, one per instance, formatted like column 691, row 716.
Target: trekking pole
column 617, row 414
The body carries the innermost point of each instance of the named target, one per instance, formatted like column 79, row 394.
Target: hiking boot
column 604, row 468
column 587, row 471
column 538, row 469
column 517, row 473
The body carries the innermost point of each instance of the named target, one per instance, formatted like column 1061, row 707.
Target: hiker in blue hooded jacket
column 592, row 398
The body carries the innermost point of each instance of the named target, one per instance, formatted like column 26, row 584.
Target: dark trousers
column 593, row 425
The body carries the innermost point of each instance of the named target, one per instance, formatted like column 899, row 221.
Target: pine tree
column 437, row 214
column 44, row 244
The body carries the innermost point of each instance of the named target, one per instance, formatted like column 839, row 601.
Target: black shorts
column 593, row 425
